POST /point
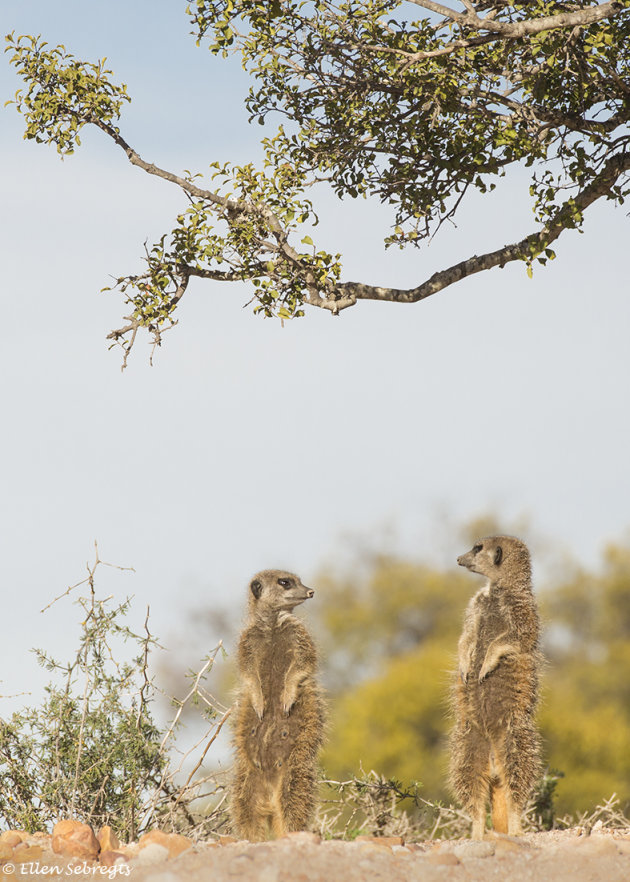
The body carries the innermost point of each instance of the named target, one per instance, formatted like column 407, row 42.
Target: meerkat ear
column 498, row 556
column 256, row 588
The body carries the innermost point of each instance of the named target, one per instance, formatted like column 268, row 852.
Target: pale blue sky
column 249, row 445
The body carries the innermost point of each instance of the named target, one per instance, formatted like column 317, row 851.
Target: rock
column 108, row 839
column 74, row 839
column 152, row 853
column 111, row 858
column 474, row 849
column 442, row 858
column 174, row 843
column 227, row 840
column 12, row 837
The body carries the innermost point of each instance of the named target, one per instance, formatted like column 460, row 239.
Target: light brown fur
column 495, row 744
column 280, row 713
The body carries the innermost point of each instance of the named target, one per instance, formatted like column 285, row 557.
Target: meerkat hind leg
column 499, row 806
column 514, row 820
column 479, row 821
column 277, row 819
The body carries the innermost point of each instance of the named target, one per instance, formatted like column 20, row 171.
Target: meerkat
column 495, row 746
column 279, row 714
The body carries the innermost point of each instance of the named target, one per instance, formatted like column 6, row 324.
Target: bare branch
column 135, row 159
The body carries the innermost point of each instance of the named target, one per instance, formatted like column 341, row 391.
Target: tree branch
column 135, row 159
column 530, row 246
column 514, row 30
column 509, row 30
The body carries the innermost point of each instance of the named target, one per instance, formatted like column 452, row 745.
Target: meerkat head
column 499, row 558
column 277, row 590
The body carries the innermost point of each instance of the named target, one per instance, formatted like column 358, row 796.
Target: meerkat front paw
column 288, row 700
column 258, row 703
column 485, row 670
column 464, row 670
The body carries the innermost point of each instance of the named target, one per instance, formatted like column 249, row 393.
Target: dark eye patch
column 477, row 549
column 285, row 583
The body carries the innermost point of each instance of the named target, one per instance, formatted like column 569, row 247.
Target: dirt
column 558, row 856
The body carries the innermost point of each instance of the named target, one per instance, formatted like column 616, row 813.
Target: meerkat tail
column 499, row 807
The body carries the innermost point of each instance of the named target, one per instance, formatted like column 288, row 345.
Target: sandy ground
column 557, row 856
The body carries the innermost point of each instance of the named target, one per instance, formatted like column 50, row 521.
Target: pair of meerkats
column 494, row 744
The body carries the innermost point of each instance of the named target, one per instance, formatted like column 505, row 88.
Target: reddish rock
column 6, row 852
column 227, row 840
column 107, row 839
column 74, row 839
column 12, row 837
column 110, row 858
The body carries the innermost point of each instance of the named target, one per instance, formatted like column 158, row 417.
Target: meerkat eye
column 477, row 549
column 498, row 556
column 285, row 583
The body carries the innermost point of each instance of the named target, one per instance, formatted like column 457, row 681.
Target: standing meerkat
column 495, row 746
column 280, row 713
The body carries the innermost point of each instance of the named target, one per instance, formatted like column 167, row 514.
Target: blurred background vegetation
column 387, row 628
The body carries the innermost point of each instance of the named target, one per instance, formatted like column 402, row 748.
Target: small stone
column 74, row 839
column 153, row 853
column 227, row 840
column 474, row 849
column 111, row 858
column 108, row 839
column 174, row 843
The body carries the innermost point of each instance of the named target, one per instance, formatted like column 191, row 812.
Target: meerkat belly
column 270, row 740
column 494, row 697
